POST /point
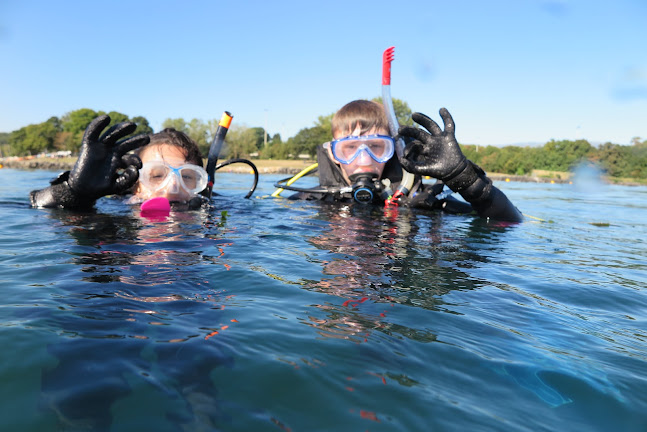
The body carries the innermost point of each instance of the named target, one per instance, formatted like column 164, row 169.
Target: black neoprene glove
column 96, row 172
column 436, row 153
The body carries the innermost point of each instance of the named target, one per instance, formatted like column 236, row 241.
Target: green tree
column 402, row 111
column 513, row 161
column 613, row 158
column 623, row 161
column 178, row 124
column 75, row 122
column 276, row 149
column 64, row 141
column 260, row 137
column 240, row 142
column 198, row 131
column 5, row 149
column 212, row 127
column 307, row 140
column 304, row 142
column 35, row 138
column 562, row 155
column 507, row 160
column 142, row 125
column 117, row 117
column 325, row 122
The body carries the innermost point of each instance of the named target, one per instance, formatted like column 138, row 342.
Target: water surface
column 268, row 314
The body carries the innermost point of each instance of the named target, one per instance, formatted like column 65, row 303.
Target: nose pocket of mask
column 173, row 183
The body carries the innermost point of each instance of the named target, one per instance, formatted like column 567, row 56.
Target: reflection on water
column 133, row 259
column 302, row 316
column 391, row 256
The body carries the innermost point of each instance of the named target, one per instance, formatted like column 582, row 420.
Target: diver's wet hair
column 363, row 113
column 176, row 138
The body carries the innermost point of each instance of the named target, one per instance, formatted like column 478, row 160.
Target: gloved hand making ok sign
column 96, row 173
column 436, row 153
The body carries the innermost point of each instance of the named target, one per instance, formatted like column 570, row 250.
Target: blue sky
column 510, row 72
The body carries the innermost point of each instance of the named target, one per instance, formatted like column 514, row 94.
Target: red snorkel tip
column 387, row 58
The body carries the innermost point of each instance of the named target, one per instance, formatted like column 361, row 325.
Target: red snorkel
column 407, row 177
column 387, row 58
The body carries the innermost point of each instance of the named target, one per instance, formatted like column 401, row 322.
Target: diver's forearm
column 490, row 202
column 59, row 195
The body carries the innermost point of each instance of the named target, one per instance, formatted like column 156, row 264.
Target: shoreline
column 267, row 166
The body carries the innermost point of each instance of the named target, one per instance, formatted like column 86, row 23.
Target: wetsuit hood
column 330, row 174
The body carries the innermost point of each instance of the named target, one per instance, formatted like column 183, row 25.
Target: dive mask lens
column 194, row 178
column 378, row 147
column 157, row 175
column 154, row 175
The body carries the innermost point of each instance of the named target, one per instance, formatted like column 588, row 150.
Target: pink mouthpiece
column 159, row 206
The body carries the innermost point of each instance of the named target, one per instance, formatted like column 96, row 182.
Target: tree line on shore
column 65, row 134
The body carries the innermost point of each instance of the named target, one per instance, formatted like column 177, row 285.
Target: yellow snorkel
column 216, row 146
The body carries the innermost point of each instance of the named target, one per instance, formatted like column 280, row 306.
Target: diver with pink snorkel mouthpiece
column 165, row 168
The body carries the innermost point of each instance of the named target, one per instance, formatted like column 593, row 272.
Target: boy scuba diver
column 360, row 164
column 166, row 165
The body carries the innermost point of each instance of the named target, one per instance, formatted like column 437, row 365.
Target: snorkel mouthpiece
column 363, row 187
column 156, row 207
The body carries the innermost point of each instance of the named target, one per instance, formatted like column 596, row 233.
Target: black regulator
column 366, row 187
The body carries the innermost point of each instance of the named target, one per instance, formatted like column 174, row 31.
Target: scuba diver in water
column 165, row 165
column 361, row 164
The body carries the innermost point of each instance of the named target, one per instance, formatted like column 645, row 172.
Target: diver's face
column 363, row 163
column 171, row 155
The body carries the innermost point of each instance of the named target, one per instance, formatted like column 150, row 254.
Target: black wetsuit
column 490, row 203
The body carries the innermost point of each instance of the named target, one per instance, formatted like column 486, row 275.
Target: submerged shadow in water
column 114, row 322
